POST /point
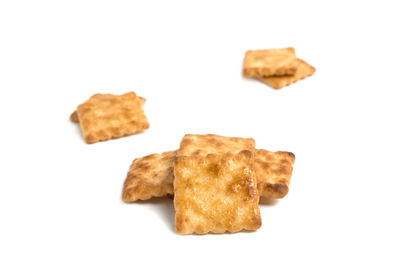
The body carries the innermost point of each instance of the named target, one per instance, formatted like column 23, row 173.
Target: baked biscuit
column 216, row 193
column 213, row 144
column 150, row 176
column 106, row 116
column 270, row 62
column 303, row 70
column 274, row 170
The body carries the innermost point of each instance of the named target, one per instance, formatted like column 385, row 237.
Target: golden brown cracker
column 274, row 170
column 216, row 193
column 303, row 70
column 106, row 116
column 269, row 62
column 150, row 176
column 213, row 144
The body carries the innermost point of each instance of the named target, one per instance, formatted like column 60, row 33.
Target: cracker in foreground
column 303, row 70
column 106, row 116
column 270, row 62
column 150, row 176
column 202, row 145
column 216, row 193
column 274, row 170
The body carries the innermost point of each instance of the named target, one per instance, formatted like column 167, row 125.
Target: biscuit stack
column 216, row 181
column 276, row 67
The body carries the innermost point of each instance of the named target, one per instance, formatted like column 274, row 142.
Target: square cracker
column 150, row 176
column 269, row 62
column 274, row 170
column 213, row 144
column 106, row 116
column 303, row 70
column 216, row 193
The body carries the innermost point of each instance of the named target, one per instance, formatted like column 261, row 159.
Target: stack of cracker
column 276, row 67
column 216, row 182
column 106, row 116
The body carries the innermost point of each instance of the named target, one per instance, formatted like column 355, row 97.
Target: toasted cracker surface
column 270, row 62
column 213, row 144
column 274, row 170
column 216, row 193
column 303, row 70
column 106, row 116
column 150, row 176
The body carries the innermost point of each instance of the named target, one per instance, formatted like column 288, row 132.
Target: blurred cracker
column 213, row 144
column 274, row 170
column 216, row 193
column 106, row 116
column 74, row 116
column 303, row 70
column 270, row 62
column 150, row 176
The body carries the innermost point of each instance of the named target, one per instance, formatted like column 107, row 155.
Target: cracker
column 274, row 170
column 213, row 144
column 216, row 193
column 150, row 176
column 303, row 70
column 106, row 116
column 269, row 62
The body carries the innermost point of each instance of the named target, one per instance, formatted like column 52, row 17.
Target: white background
column 60, row 197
